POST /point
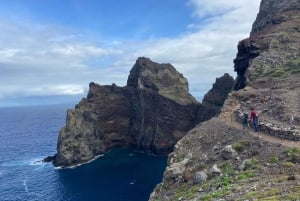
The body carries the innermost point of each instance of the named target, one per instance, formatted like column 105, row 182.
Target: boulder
column 228, row 152
column 200, row 177
column 215, row 171
column 177, row 169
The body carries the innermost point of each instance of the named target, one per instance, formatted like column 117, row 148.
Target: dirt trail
column 230, row 120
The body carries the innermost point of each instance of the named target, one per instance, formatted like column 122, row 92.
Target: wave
column 13, row 163
column 25, row 186
column 80, row 164
column 36, row 161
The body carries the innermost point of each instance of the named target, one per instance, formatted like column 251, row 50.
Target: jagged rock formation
column 215, row 97
column 151, row 113
column 268, row 69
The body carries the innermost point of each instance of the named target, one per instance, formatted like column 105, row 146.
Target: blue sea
column 28, row 134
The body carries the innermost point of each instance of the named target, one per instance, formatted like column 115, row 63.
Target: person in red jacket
column 254, row 118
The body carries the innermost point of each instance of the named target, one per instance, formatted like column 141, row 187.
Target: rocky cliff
column 268, row 67
column 218, row 159
column 272, row 50
column 214, row 99
column 151, row 113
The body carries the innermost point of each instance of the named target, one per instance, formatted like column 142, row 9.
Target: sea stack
column 150, row 114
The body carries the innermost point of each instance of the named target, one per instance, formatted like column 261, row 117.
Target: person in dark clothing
column 254, row 118
column 245, row 120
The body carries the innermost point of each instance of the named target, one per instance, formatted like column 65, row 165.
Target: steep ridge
column 151, row 114
column 218, row 160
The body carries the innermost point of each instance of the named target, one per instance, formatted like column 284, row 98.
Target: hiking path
column 229, row 119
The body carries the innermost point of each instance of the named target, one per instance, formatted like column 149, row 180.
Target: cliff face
column 272, row 50
column 218, row 160
column 151, row 113
column 268, row 67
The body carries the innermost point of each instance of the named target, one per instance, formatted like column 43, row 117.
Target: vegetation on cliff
column 219, row 161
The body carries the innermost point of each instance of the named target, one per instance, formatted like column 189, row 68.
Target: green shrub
column 293, row 154
column 207, row 197
column 248, row 196
column 293, row 67
column 296, row 62
column 245, row 175
column 273, row 159
column 252, row 164
column 292, row 150
column 187, row 192
column 239, row 147
column 225, row 181
column 259, row 71
column 227, row 169
column 278, row 73
column 221, row 193
column 294, row 70
column 287, row 164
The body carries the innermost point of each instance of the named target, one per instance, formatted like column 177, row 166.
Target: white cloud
column 44, row 46
column 41, row 90
column 50, row 60
column 7, row 54
column 208, row 8
column 83, row 51
column 68, row 89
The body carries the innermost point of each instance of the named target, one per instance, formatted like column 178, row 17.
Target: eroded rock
column 151, row 114
column 228, row 152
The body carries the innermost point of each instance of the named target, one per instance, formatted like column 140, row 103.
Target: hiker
column 244, row 120
column 254, row 118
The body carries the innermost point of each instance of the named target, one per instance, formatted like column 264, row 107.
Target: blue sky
column 54, row 48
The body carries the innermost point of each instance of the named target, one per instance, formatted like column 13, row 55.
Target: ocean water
column 28, row 134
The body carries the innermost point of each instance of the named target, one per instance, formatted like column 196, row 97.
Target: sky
column 51, row 49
